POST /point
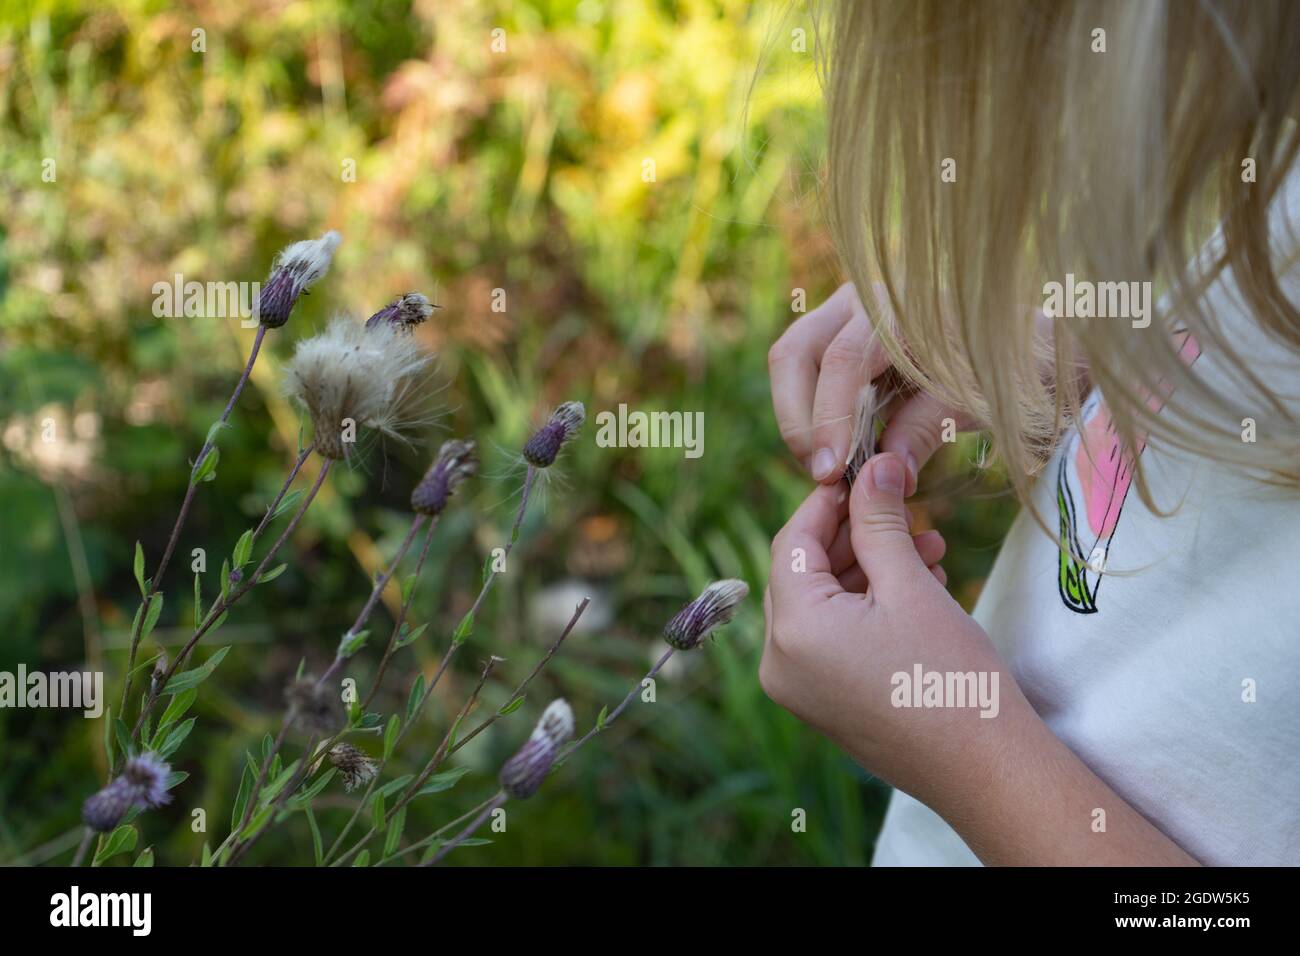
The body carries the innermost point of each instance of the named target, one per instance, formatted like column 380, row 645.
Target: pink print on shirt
column 1100, row 480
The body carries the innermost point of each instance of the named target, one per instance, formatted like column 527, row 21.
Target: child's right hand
column 819, row 366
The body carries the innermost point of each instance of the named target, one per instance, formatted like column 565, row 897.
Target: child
column 1011, row 181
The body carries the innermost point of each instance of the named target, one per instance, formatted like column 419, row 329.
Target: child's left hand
column 852, row 603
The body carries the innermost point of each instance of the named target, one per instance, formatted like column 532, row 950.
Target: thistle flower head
column 565, row 422
column 711, row 609
column 523, row 774
column 349, row 376
column 406, row 312
column 295, row 269
column 456, row 461
column 357, row 768
column 311, row 705
column 142, row 783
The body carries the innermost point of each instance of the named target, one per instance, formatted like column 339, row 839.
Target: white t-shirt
column 1176, row 681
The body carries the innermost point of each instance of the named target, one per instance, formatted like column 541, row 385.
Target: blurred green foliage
column 522, row 170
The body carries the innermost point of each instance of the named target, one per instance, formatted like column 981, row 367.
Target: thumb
column 881, row 539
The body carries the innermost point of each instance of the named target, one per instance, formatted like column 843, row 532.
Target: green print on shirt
column 1072, row 580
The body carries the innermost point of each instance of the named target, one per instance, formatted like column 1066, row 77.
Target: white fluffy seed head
column 556, row 723
column 349, row 373
column 309, row 259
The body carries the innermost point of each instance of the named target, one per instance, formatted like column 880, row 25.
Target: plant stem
column 375, row 592
column 86, row 839
column 401, row 619
column 620, row 708
column 284, row 489
column 424, row 775
column 221, row 605
column 422, row 843
column 492, row 806
column 183, row 514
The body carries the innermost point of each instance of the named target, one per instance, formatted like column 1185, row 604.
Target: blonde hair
column 1113, row 166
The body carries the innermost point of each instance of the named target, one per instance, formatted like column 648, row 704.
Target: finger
column 799, row 559
column 930, row 545
column 881, row 540
column 940, row 574
column 915, row 431
column 852, row 360
column 853, row 579
column 793, row 364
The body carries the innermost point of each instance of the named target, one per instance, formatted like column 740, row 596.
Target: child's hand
column 869, row 605
column 819, row 366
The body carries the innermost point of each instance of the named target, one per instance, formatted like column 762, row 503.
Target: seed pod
column 711, row 609
column 565, row 422
column 524, row 773
column 456, row 461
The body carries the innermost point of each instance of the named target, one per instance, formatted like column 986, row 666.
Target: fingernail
column 912, row 472
column 823, row 463
column 887, row 474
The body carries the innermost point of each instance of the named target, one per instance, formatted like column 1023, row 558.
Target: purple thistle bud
column 357, row 768
column 456, row 461
column 522, row 775
column 296, row 268
column 406, row 312
column 565, row 422
column 142, row 783
column 711, row 609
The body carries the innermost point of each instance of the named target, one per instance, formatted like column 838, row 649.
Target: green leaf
column 395, row 832
column 260, row 819
column 243, row 549
column 177, row 707
column 206, row 470
column 363, row 859
column 241, row 798
column 175, row 739
column 304, row 799
column 463, row 629
column 192, row 678
column 271, row 790
column 351, row 643
column 413, row 699
column 410, row 634
column 511, row 707
column 206, row 859
column 145, row 858
column 408, row 588
column 317, row 849
column 225, row 581
column 198, row 603
column 151, row 616
column 287, row 502
column 175, row 779
column 442, row 781
column 121, row 840
column 272, row 574
column 390, row 788
column 378, row 808
column 600, row 718
column 390, row 735
column 123, row 736
column 139, row 569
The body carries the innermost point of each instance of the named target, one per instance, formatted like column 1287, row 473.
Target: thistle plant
column 351, row 378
